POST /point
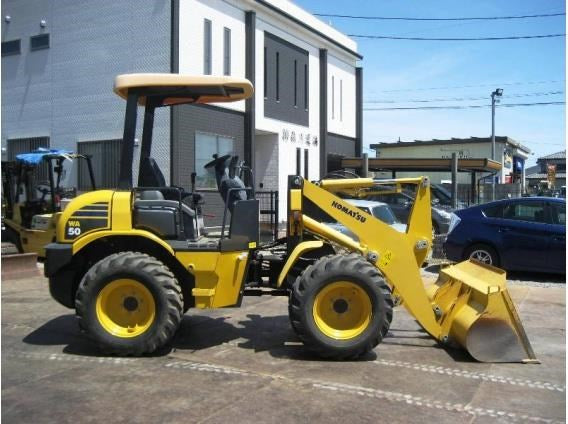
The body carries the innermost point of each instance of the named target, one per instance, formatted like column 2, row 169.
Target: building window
column 39, row 42
column 341, row 100
column 207, row 47
column 295, row 83
column 104, row 159
column 298, row 161
column 277, row 76
column 306, row 162
column 265, row 75
column 10, row 48
column 227, row 51
column 332, row 97
column 206, row 145
column 306, row 86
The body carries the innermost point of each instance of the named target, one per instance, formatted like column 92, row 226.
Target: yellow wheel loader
column 131, row 261
column 29, row 219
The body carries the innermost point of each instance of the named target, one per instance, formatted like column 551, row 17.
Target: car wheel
column 482, row 253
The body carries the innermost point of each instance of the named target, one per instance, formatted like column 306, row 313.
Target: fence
column 483, row 193
column 268, row 214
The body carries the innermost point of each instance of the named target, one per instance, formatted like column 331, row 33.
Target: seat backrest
column 150, row 174
column 245, row 220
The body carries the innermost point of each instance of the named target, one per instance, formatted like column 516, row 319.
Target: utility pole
column 497, row 93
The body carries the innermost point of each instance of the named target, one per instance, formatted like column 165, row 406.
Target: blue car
column 525, row 234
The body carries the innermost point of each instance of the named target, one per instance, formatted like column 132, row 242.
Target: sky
column 399, row 71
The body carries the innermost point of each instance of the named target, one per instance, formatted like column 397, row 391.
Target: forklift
column 30, row 208
column 132, row 261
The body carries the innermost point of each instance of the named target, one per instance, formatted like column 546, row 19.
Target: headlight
column 454, row 221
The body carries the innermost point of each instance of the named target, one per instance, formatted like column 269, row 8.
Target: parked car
column 523, row 234
column 379, row 210
column 401, row 203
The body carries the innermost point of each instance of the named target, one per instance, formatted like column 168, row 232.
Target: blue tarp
column 36, row 156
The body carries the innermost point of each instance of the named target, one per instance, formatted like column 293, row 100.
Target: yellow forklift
column 30, row 208
column 131, row 261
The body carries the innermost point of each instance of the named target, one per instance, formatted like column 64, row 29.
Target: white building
column 59, row 60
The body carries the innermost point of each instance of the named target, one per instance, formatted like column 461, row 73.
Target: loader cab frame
column 152, row 93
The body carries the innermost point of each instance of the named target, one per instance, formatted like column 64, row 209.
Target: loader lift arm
column 469, row 305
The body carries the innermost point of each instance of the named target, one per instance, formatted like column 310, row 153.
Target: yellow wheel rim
column 342, row 310
column 125, row 308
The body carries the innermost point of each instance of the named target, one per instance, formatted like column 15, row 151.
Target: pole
column 454, row 180
column 493, row 142
column 365, row 165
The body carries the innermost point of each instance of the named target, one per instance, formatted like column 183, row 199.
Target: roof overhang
column 172, row 89
column 420, row 165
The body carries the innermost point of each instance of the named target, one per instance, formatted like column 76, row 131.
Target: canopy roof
column 41, row 153
column 171, row 89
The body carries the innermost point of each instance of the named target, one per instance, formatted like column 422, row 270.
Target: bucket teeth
column 479, row 315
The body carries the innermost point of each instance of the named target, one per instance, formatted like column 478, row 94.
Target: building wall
column 340, row 97
column 65, row 92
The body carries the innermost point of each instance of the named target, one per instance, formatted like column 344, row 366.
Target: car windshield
column 442, row 194
column 383, row 213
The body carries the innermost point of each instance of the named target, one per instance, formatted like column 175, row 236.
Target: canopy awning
column 426, row 164
column 173, row 89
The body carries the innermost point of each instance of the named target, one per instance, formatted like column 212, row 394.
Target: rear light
column 454, row 221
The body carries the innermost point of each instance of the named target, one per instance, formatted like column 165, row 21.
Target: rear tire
column 341, row 307
column 482, row 253
column 129, row 303
column 9, row 235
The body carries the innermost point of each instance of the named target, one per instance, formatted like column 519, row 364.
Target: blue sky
column 399, row 71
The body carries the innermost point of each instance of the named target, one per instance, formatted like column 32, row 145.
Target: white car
column 379, row 210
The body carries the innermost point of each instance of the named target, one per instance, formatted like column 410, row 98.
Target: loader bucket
column 476, row 312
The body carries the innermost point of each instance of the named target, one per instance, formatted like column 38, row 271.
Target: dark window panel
column 277, row 76
column 306, row 163
column 306, row 97
column 10, row 48
column 207, row 47
column 39, row 42
column 298, row 161
column 295, row 83
column 265, row 74
column 227, row 51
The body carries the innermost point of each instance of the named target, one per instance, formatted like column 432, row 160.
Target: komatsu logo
column 350, row 212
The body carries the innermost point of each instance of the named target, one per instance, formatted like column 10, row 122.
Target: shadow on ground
column 271, row 334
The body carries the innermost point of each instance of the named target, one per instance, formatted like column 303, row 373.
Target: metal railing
column 268, row 214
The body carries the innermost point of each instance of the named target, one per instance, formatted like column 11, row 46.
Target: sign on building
column 551, row 175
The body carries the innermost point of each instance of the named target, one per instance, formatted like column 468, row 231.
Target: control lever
column 193, row 175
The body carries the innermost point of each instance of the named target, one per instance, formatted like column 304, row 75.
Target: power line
column 515, row 37
column 475, row 86
column 451, row 99
column 481, row 18
column 465, row 106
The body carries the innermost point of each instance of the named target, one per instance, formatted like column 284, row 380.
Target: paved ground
column 246, row 365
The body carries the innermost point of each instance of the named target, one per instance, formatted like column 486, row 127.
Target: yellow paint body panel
column 301, row 248
column 218, row 276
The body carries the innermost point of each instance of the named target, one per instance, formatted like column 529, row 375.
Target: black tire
column 9, row 235
column 354, row 270
column 483, row 253
column 154, row 276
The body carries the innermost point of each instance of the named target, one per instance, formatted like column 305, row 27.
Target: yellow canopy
column 180, row 88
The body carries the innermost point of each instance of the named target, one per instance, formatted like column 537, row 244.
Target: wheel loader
column 31, row 208
column 132, row 261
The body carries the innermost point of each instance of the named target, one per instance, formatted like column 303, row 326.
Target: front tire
column 341, row 307
column 129, row 303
